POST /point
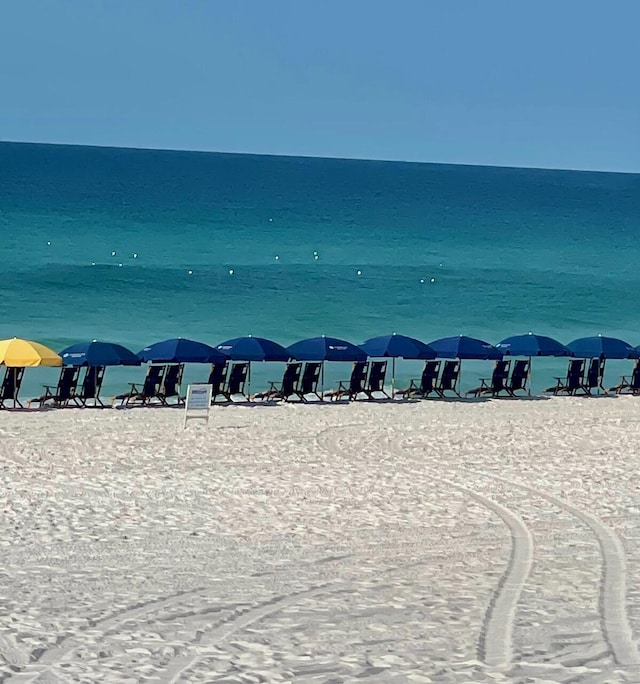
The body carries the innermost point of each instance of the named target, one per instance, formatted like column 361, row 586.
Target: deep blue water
column 510, row 250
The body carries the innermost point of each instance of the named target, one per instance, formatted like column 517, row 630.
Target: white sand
column 422, row 542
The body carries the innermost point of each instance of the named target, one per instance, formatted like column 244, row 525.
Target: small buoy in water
column 440, row 264
column 119, row 264
column 277, row 257
column 113, row 253
column 316, row 257
column 422, row 280
column 190, row 272
column 315, row 253
column 93, row 263
column 358, row 272
column 135, row 255
column 48, row 242
column 230, row 271
column 433, row 280
column 270, row 219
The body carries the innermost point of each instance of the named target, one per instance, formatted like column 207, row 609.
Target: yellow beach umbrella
column 20, row 353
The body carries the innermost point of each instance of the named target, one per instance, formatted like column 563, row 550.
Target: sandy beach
column 420, row 542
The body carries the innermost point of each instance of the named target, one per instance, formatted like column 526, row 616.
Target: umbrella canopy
column 254, row 349
column 463, row 347
column 532, row 345
column 605, row 347
column 397, row 346
column 326, row 349
column 181, row 350
column 98, row 354
column 21, row 353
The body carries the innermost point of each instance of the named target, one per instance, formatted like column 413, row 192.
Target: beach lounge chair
column 426, row 384
column 352, row 387
column 11, row 386
column 171, row 384
column 144, row 393
column 375, row 383
column 217, row 378
column 286, row 387
column 594, row 377
column 448, row 379
column 519, row 377
column 496, row 384
column 573, row 382
column 629, row 384
column 91, row 386
column 64, row 391
column 237, row 381
column 308, row 385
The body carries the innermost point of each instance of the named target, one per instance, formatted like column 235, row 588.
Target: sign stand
column 197, row 403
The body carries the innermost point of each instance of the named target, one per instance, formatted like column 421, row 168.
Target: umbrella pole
column 530, row 374
column 322, row 379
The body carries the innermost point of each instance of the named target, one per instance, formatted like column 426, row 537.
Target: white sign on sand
column 197, row 403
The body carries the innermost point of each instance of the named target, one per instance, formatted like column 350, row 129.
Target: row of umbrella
column 17, row 352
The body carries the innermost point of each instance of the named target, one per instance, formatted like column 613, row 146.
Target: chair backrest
column 11, row 382
column 595, row 373
column 358, row 376
column 500, row 374
column 575, row 372
column 92, row 382
column 172, row 380
column 217, row 376
column 153, row 381
column 429, row 377
column 310, row 377
column 449, row 378
column 377, row 375
column 290, row 378
column 635, row 376
column 67, row 382
column 238, row 378
column 519, row 375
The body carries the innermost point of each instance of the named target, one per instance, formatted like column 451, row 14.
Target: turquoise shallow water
column 510, row 250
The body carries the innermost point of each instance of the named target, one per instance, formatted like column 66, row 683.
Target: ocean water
column 135, row 246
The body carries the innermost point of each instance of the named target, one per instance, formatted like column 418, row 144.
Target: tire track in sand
column 42, row 659
column 496, row 635
column 613, row 601
column 219, row 634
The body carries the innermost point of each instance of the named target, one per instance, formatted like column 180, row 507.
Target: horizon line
column 311, row 156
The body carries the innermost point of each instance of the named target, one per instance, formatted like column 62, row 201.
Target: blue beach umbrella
column 98, row 354
column 463, row 347
column 326, row 349
column 254, row 349
column 181, row 350
column 397, row 346
column 602, row 347
column 532, row 345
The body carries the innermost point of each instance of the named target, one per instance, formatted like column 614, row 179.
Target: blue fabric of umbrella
column 604, row 347
column 254, row 349
column 397, row 346
column 326, row 349
column 532, row 345
column 463, row 347
column 98, row 354
column 181, row 350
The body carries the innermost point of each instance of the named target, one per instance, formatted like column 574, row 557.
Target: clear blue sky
column 549, row 83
